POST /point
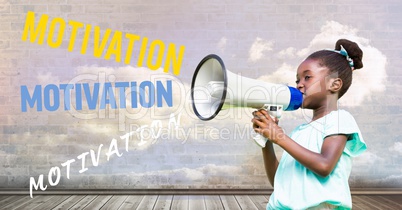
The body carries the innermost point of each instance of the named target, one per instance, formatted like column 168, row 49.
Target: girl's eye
column 305, row 79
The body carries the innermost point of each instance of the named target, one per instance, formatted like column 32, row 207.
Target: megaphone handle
column 273, row 111
column 260, row 140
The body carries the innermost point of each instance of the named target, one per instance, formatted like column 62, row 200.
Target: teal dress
column 296, row 187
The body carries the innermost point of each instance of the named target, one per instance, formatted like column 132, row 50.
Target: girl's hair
column 338, row 64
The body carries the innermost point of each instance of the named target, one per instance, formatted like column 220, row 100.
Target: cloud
column 368, row 158
column 285, row 74
column 188, row 175
column 397, row 147
column 390, row 181
column 366, row 81
column 44, row 78
column 288, row 52
column 144, row 121
column 104, row 124
column 330, row 33
column 258, row 48
column 222, row 44
column 373, row 73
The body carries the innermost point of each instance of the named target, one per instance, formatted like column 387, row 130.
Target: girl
column 316, row 163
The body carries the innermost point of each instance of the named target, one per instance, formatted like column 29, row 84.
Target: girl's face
column 312, row 80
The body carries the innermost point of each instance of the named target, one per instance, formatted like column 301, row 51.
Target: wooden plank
column 173, row 202
column 98, row 202
column 356, row 203
column 229, row 202
column 5, row 200
column 388, row 201
column 131, row 202
column 213, row 202
column 115, row 202
column 267, row 197
column 260, row 201
column 179, row 202
column 34, row 202
column 2, row 197
column 52, row 202
column 69, row 202
column 11, row 199
column 148, row 202
column 83, row 202
column 196, row 202
column 377, row 201
column 359, row 203
column 163, row 202
column 245, row 202
column 395, row 200
column 15, row 201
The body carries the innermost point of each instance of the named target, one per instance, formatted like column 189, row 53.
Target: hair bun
column 354, row 51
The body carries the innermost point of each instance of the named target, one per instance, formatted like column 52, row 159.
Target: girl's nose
column 300, row 86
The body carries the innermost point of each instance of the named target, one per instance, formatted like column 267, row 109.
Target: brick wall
column 198, row 154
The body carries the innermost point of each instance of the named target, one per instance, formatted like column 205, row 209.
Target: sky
column 263, row 40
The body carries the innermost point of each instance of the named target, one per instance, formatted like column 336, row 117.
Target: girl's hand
column 266, row 126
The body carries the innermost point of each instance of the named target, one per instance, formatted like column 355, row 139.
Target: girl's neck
column 324, row 110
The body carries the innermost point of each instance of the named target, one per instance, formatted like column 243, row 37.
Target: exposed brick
column 32, row 142
column 38, row 9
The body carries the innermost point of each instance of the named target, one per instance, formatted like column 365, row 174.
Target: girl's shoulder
column 337, row 121
column 340, row 113
column 341, row 118
column 342, row 122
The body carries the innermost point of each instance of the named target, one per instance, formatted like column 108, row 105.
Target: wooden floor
column 197, row 202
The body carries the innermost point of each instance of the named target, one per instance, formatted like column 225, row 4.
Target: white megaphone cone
column 213, row 88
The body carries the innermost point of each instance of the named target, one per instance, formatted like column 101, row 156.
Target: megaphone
column 214, row 88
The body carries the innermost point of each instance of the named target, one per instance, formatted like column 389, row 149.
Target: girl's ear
column 336, row 85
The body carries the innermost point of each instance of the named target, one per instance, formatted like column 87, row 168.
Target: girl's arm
column 270, row 161
column 320, row 163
